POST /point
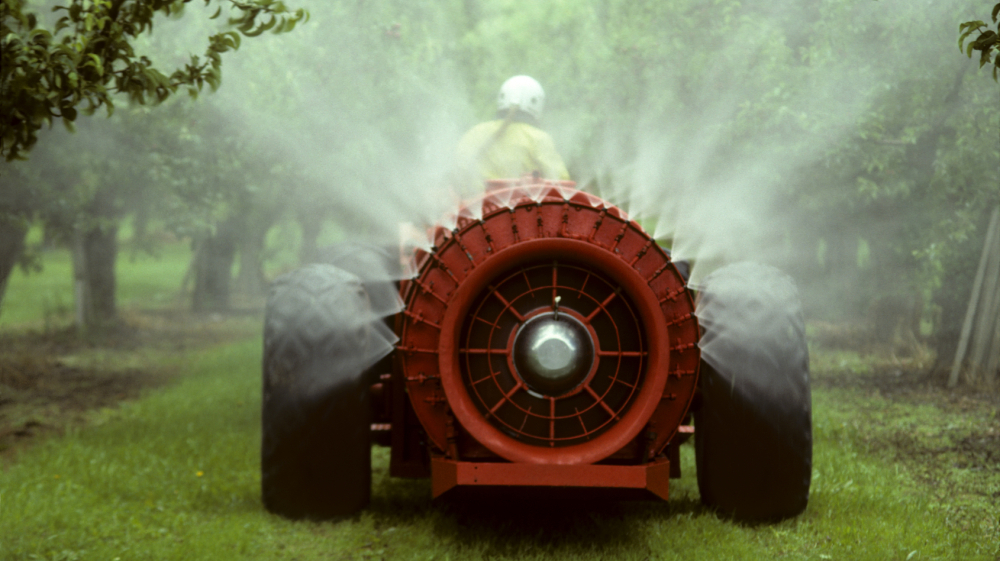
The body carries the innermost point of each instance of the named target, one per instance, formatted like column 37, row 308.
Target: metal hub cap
column 553, row 353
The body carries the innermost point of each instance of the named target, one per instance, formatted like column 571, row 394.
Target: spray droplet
column 535, row 192
column 565, row 191
column 503, row 197
column 449, row 221
column 595, row 201
column 472, row 210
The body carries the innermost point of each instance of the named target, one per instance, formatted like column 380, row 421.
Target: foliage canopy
column 987, row 42
column 88, row 57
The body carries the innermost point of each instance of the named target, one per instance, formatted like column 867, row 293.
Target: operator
column 511, row 145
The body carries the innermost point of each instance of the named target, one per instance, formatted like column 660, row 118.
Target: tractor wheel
column 753, row 431
column 316, row 445
column 377, row 267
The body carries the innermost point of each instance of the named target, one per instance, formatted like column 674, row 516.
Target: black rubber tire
column 378, row 268
column 316, row 417
column 753, row 430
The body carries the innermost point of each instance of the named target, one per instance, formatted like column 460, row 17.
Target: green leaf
column 95, row 61
column 968, row 28
column 986, row 40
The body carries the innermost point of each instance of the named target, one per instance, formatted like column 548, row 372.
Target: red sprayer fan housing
column 548, row 340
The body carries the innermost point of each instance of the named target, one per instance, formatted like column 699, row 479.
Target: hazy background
column 849, row 143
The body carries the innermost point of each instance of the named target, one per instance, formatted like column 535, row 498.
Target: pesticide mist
column 732, row 131
column 713, row 127
column 703, row 147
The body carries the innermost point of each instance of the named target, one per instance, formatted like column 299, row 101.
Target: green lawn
column 148, row 281
column 175, row 475
column 47, row 297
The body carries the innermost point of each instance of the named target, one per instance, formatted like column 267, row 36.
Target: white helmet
column 524, row 92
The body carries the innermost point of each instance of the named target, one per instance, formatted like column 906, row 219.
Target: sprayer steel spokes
column 558, row 256
column 580, row 312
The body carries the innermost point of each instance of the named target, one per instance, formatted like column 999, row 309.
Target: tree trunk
column 213, row 266
column 311, row 223
column 95, row 251
column 250, row 278
column 952, row 297
column 101, row 249
column 984, row 306
column 12, row 234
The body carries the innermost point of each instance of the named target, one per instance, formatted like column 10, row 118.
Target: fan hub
column 553, row 353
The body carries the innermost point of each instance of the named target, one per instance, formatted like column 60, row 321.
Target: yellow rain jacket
column 499, row 150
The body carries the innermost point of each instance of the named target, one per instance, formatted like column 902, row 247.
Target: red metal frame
column 641, row 408
column 448, row 474
column 501, row 379
column 528, row 223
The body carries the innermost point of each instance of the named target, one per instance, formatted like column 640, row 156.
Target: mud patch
column 946, row 441
column 971, row 441
column 40, row 395
column 50, row 380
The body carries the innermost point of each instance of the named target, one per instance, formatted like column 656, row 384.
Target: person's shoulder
column 486, row 126
column 479, row 132
column 536, row 134
column 530, row 129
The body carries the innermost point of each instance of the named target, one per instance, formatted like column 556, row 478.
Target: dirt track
column 50, row 380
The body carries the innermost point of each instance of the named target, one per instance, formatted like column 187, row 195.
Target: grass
column 151, row 281
column 46, row 297
column 175, row 475
column 41, row 296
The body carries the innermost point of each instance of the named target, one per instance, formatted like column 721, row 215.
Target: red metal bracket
column 653, row 477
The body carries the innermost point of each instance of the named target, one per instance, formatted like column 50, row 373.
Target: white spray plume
column 704, row 164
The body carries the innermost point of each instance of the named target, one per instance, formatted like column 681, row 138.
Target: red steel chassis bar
column 653, row 477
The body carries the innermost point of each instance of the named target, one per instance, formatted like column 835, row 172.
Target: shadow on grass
column 510, row 522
